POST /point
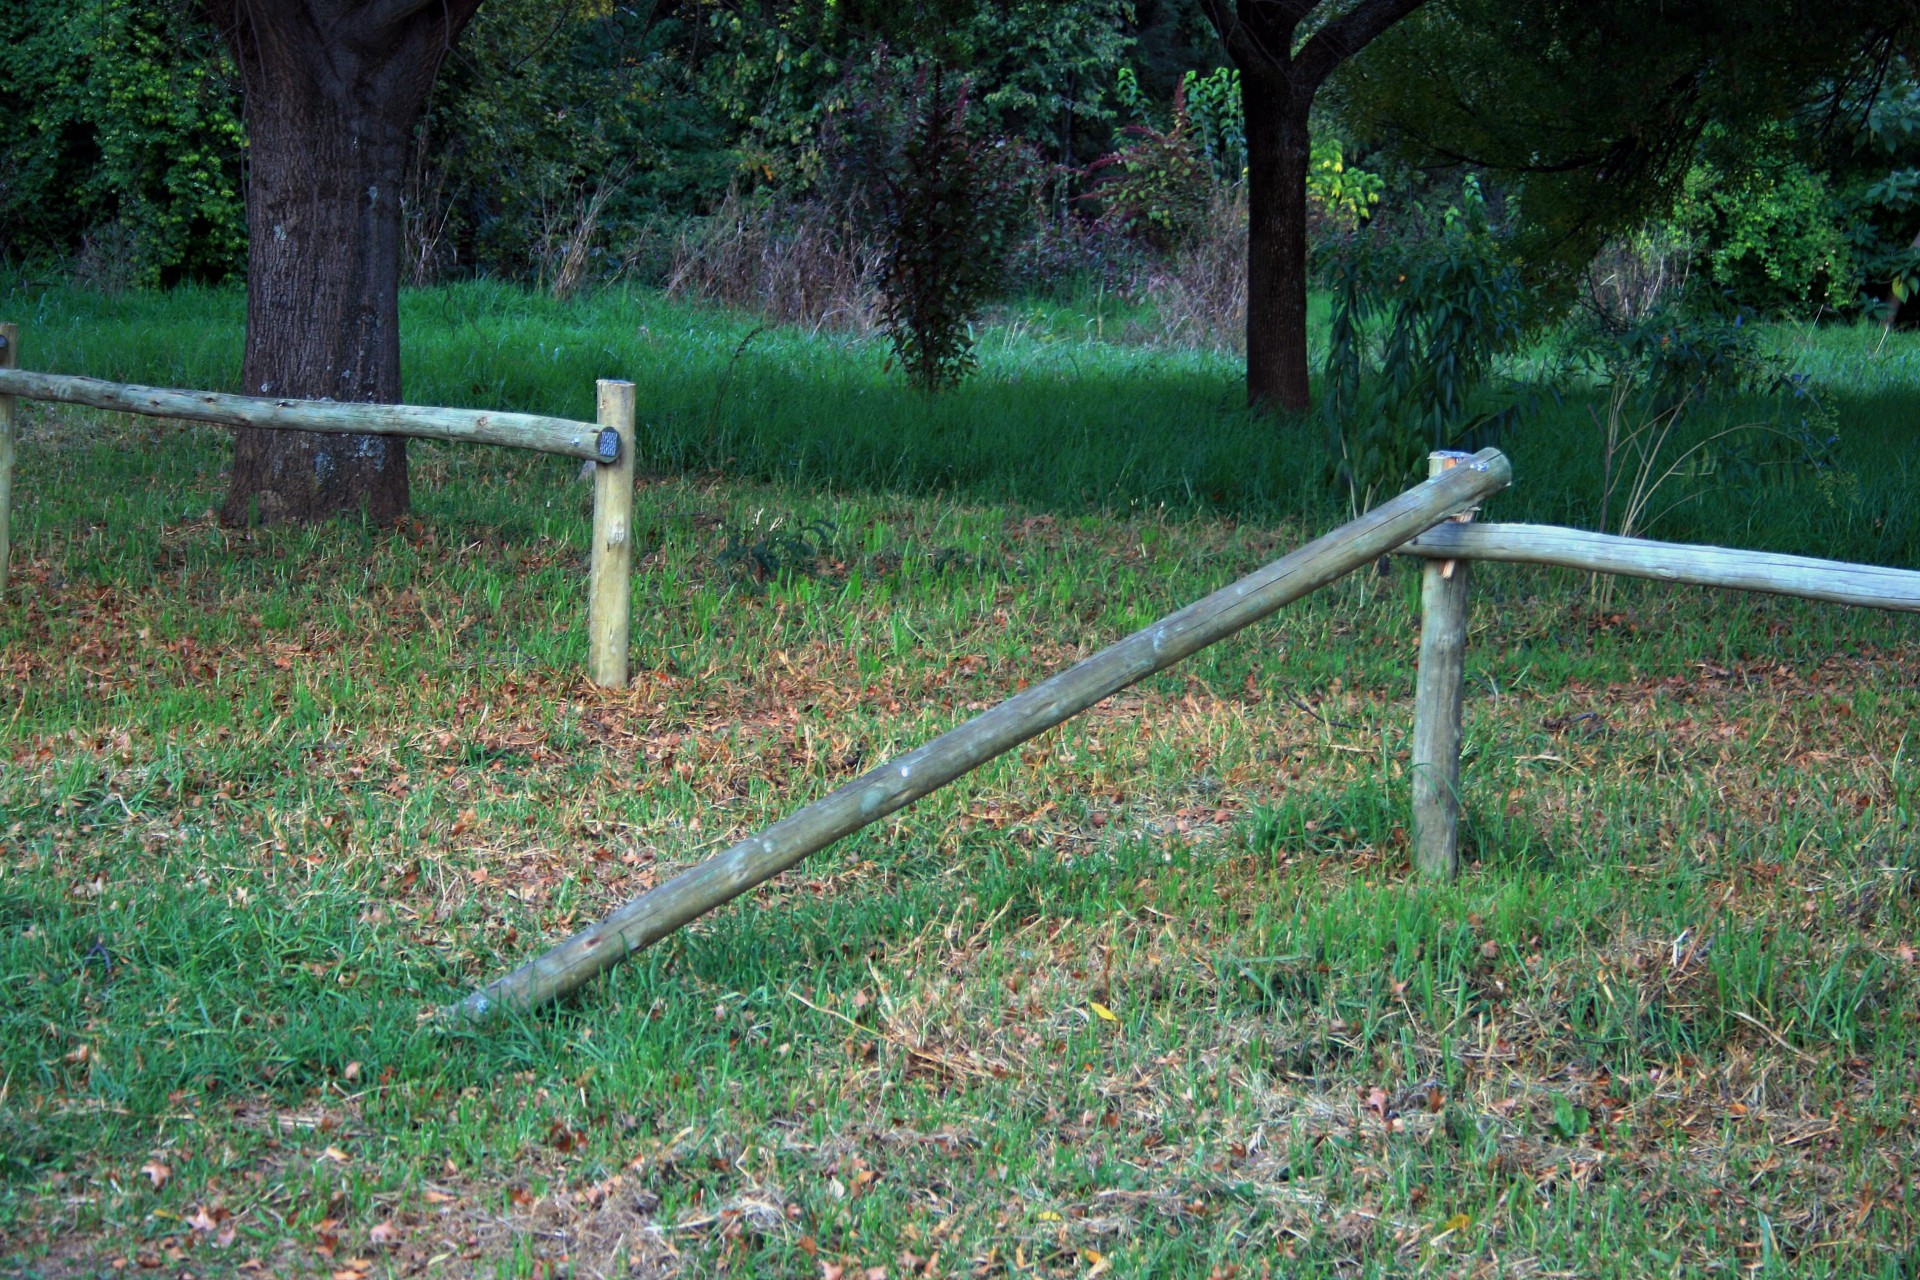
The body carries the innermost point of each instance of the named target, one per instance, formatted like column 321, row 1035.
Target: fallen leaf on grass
column 384, row 1234
column 157, row 1172
column 1106, row 1014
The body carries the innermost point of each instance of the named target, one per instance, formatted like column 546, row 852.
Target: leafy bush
column 124, row 137
column 553, row 140
column 1157, row 185
column 1766, row 228
column 1877, row 187
column 953, row 206
column 1419, row 324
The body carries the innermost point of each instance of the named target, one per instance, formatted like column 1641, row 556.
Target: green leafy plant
column 1766, row 226
column 124, row 139
column 953, row 204
column 1156, row 186
column 1419, row 324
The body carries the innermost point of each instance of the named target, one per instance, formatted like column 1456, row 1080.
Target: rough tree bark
column 1283, row 58
column 333, row 91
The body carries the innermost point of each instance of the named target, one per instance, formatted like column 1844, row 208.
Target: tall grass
column 1053, row 421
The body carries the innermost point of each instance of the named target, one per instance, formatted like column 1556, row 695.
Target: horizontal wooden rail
column 1872, row 586
column 476, row 426
column 879, row 792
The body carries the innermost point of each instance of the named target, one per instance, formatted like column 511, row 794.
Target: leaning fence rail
column 607, row 443
column 899, row 782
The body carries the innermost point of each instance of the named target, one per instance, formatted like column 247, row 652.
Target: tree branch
column 1345, row 36
column 1258, row 33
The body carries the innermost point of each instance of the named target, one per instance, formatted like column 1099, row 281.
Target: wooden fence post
column 610, row 575
column 9, row 358
column 1438, row 699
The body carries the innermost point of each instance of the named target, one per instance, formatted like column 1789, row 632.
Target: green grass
column 268, row 798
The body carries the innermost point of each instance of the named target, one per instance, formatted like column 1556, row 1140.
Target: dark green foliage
column 556, row 132
column 1419, row 322
column 1684, row 351
column 1876, row 181
column 953, row 203
column 1595, row 111
column 1764, row 226
column 123, row 133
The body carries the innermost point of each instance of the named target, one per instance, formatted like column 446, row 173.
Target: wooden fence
column 608, row 444
column 1438, row 701
column 1432, row 520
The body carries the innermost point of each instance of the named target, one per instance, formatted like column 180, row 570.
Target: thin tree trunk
column 1278, row 146
column 333, row 91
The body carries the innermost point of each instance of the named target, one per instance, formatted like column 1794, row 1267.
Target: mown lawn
column 1156, row 997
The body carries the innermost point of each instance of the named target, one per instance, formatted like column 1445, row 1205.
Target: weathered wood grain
column 610, row 575
column 1870, row 586
column 1438, row 703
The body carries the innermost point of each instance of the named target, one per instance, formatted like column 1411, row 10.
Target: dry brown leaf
column 157, row 1172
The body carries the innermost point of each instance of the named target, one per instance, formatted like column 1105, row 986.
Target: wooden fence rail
column 1871, row 586
column 608, row 443
column 339, row 417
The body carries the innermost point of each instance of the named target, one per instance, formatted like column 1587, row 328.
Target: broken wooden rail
column 607, row 443
column 881, row 791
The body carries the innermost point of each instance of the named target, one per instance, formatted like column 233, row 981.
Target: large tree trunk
column 1278, row 147
column 1279, row 76
column 333, row 91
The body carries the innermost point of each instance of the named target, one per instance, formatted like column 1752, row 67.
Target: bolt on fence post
column 1438, row 699
column 9, row 359
column 610, row 575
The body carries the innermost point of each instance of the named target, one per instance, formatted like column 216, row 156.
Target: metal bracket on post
column 1439, row 702
column 607, row 447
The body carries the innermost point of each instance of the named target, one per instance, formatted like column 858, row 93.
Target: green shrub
column 1767, row 228
column 124, row 133
column 1419, row 323
column 953, row 207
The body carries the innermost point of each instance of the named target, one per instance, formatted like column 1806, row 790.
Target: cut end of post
column 1439, row 462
